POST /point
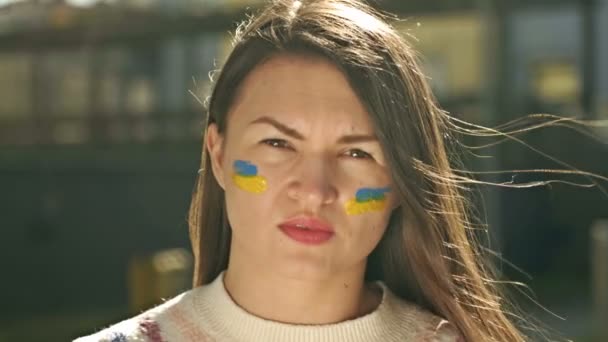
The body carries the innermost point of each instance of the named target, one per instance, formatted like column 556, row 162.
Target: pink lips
column 307, row 230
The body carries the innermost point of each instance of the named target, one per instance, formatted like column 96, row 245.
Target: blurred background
column 100, row 138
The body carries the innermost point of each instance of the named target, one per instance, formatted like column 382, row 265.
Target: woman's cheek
column 368, row 200
column 256, row 175
column 246, row 177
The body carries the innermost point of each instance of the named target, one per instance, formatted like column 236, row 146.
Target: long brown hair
column 429, row 253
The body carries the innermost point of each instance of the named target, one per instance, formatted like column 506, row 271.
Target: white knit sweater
column 208, row 313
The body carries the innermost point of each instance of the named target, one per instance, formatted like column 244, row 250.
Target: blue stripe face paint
column 245, row 168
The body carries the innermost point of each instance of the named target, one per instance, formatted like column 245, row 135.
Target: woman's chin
column 304, row 268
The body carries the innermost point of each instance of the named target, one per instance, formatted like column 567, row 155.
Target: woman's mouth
column 307, row 230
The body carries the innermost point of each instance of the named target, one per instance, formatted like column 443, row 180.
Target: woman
column 326, row 208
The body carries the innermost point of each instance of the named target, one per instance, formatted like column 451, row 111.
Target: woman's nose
column 313, row 183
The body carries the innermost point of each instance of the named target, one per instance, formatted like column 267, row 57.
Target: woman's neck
column 321, row 301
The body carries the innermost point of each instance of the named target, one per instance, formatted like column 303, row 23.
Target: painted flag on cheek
column 246, row 177
column 367, row 200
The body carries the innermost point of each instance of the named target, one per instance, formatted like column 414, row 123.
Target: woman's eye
column 277, row 143
column 359, row 154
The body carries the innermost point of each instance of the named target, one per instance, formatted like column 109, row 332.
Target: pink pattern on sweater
column 151, row 329
column 186, row 327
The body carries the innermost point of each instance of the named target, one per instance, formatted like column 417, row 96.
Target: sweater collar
column 230, row 320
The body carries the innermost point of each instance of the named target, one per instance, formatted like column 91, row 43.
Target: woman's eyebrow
column 279, row 126
column 345, row 139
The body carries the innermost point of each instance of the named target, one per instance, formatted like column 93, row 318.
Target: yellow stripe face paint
column 246, row 177
column 367, row 200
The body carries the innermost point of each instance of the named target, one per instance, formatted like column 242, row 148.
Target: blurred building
column 101, row 120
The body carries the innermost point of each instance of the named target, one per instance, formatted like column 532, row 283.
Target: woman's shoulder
column 150, row 325
column 424, row 325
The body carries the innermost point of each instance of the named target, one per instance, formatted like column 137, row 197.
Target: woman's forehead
column 300, row 88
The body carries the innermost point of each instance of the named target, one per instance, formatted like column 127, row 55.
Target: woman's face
column 306, row 183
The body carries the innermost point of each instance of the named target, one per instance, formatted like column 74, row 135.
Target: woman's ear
column 214, row 143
